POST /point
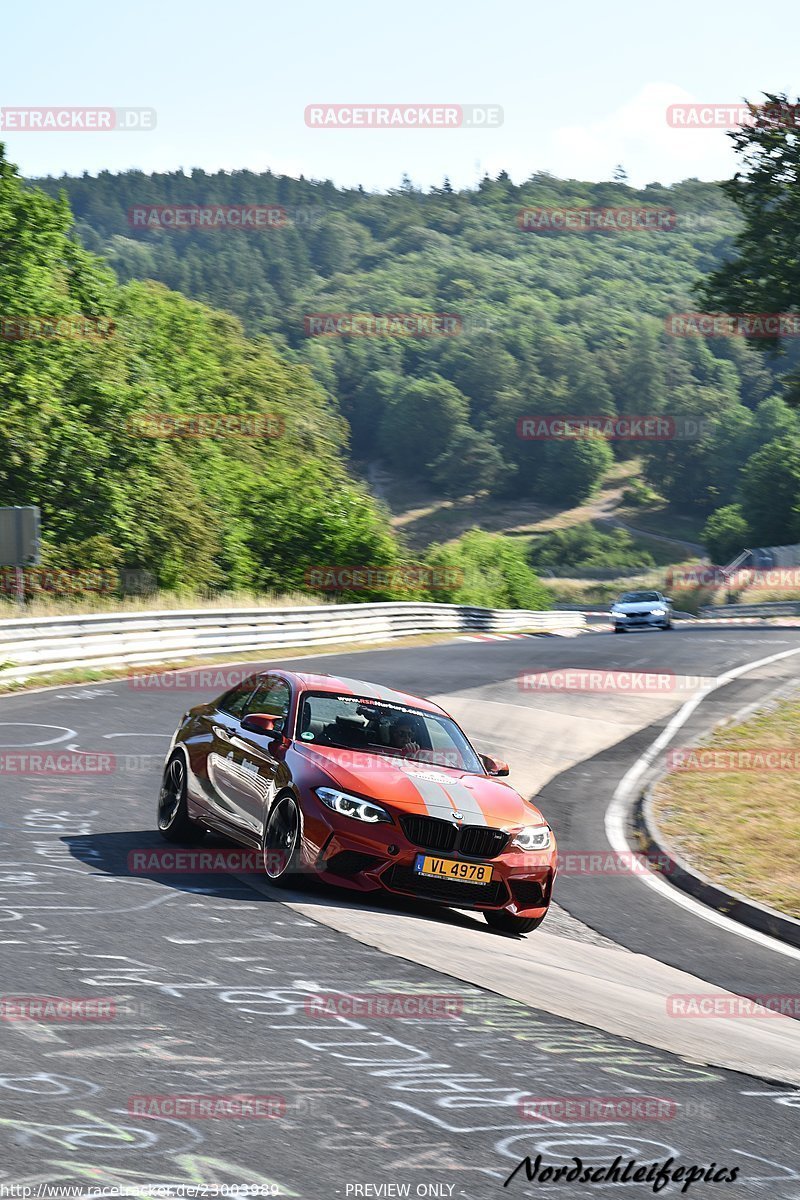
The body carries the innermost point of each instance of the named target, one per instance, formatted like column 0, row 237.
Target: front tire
column 172, row 816
column 506, row 922
column 281, row 841
column 617, row 629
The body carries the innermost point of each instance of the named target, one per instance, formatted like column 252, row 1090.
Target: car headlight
column 351, row 806
column 533, row 837
column 619, row 616
column 658, row 612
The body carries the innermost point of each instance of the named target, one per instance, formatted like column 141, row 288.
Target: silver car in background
column 641, row 610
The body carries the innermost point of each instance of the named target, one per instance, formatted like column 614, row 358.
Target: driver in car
column 403, row 737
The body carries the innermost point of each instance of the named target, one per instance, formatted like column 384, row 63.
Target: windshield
column 381, row 727
column 639, row 598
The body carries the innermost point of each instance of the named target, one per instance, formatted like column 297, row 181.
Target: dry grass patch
column 742, row 828
column 99, row 603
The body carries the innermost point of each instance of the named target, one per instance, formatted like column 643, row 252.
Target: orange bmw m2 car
column 367, row 787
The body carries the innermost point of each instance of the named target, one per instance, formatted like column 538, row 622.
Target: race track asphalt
column 210, row 982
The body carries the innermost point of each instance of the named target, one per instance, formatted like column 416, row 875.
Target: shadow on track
column 109, row 854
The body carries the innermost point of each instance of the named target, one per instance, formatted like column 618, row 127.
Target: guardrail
column 41, row 645
column 778, row 608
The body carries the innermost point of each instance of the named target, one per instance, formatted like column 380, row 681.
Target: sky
column 582, row 86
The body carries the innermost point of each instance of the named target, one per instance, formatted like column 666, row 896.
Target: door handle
column 243, row 744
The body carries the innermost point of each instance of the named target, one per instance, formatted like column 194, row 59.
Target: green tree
column 420, row 422
column 771, row 493
column 487, row 570
column 571, row 325
column 481, row 368
column 569, row 469
column 78, row 414
column 726, row 533
column 309, row 521
column 641, row 387
column 471, row 463
column 586, row 548
column 333, row 246
column 764, row 275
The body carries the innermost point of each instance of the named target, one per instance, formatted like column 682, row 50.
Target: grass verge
column 162, row 601
column 741, row 827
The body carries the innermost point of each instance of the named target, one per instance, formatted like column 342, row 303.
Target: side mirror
column 494, row 766
column 262, row 724
column 668, row 599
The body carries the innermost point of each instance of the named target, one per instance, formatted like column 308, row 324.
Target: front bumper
column 644, row 621
column 349, row 854
column 524, row 892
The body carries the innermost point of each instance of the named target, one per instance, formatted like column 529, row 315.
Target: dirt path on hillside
column 605, row 507
column 422, row 518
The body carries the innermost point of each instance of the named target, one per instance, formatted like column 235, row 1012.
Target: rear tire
column 506, row 922
column 172, row 815
column 280, row 845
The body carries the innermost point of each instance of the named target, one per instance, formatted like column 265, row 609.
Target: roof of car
column 344, row 685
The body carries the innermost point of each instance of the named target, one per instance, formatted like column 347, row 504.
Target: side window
column 272, row 697
column 234, row 701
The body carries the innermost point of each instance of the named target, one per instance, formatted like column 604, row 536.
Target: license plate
column 448, row 868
